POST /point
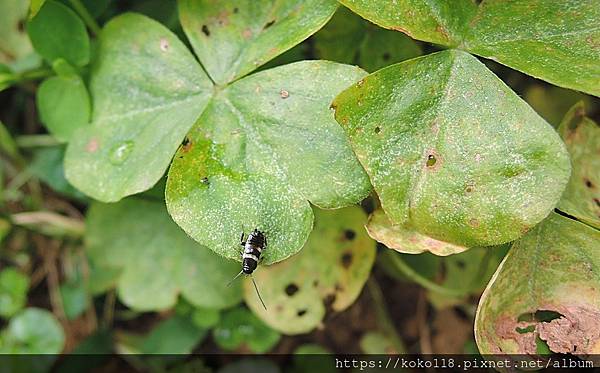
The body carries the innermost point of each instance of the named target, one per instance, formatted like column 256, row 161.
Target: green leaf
column 554, row 40
column 329, row 272
column 349, row 39
column 33, row 331
column 13, row 291
column 64, row 105
column 34, row 7
column 452, row 152
column 58, row 32
column 374, row 342
column 264, row 146
column 548, row 280
column 205, row 318
column 404, row 240
column 47, row 165
column 233, row 38
column 176, row 335
column 140, row 114
column 75, row 299
column 158, row 261
column 240, row 327
column 581, row 199
column 14, row 42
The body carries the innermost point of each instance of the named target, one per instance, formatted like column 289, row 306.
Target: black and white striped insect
column 253, row 245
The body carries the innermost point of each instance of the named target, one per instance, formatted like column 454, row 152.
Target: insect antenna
column 233, row 279
column 257, row 292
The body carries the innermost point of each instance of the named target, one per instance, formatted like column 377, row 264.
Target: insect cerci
column 253, row 245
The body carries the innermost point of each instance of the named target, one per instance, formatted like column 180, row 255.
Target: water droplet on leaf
column 120, row 152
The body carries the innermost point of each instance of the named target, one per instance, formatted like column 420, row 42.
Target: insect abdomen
column 250, row 258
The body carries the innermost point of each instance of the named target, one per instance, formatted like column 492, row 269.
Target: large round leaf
column 235, row 37
column 452, row 151
column 329, row 272
column 263, row 147
column 555, row 40
column 552, row 271
column 582, row 196
column 157, row 260
column 148, row 90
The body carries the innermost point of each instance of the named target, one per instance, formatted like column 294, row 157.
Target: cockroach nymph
column 253, row 245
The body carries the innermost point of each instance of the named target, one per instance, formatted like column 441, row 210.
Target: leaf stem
column 413, row 275
column 32, row 141
column 86, row 16
column 385, row 322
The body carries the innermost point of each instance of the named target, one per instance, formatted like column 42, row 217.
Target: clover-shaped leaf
column 265, row 146
column 56, row 31
column 148, row 90
column 452, row 152
column 405, row 240
column 236, row 37
column 582, row 196
column 329, row 272
column 157, row 260
column 554, row 40
column 547, row 288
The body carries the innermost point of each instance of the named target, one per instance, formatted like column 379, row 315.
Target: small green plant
column 374, row 142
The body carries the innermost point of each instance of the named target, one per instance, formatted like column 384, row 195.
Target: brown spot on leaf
column 164, row 44
column 401, row 29
column 346, row 260
column 506, row 328
column 247, row 33
column 284, row 94
column 360, row 83
column 577, row 331
column 269, row 24
column 589, row 184
column 474, row 222
column 205, row 30
column 223, row 18
column 291, row 289
column 92, row 145
column 186, row 145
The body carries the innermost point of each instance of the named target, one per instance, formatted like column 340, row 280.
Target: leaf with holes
column 451, row 151
column 349, row 39
column 329, row 272
column 582, row 196
column 235, row 37
column 554, row 40
column 14, row 42
column 57, row 32
column 552, row 271
column 266, row 146
column 141, row 114
column 157, row 260
column 404, row 240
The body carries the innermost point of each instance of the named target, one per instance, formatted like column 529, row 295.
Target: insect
column 253, row 245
